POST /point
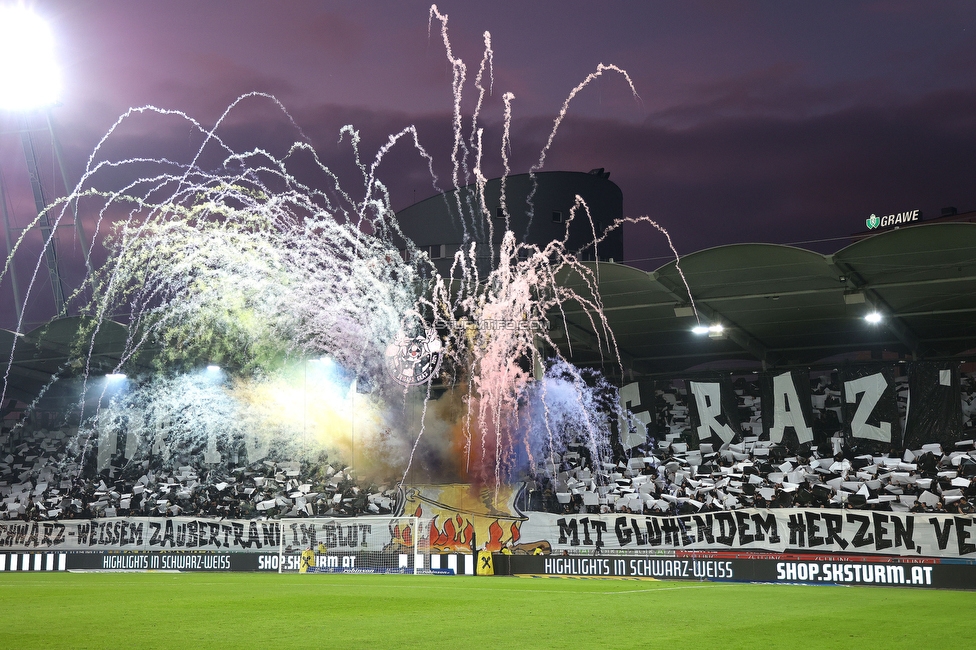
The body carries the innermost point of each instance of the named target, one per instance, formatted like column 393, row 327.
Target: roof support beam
column 738, row 335
column 591, row 341
column 30, row 373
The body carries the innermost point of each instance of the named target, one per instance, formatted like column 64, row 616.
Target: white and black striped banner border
column 32, row 561
column 459, row 563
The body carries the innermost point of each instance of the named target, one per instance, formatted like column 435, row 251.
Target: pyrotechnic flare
column 241, row 264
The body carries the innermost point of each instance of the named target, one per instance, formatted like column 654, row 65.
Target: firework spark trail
column 480, row 183
column 420, row 433
column 502, row 404
column 30, row 287
column 211, row 134
column 600, row 69
column 547, row 423
column 487, row 63
column 475, row 142
column 579, row 203
column 617, row 223
column 64, row 203
column 462, row 148
column 336, row 185
column 354, row 140
column 104, row 306
column 457, row 84
column 465, row 261
column 506, row 168
column 393, row 139
column 472, row 147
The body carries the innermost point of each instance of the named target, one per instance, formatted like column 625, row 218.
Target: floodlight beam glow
column 29, row 74
column 710, row 329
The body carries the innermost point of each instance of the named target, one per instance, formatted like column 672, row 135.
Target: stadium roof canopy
column 782, row 306
column 41, row 353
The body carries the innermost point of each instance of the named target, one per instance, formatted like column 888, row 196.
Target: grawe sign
column 874, row 221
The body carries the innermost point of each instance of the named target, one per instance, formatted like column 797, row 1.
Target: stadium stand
column 39, row 481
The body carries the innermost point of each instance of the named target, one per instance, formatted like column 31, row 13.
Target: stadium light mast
column 30, row 83
column 10, row 248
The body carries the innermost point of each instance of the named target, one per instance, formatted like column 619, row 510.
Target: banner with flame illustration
column 464, row 518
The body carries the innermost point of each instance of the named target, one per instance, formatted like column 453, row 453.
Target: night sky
column 770, row 121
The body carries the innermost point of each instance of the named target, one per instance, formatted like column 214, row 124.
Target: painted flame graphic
column 461, row 521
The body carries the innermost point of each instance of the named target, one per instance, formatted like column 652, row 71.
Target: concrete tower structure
column 538, row 207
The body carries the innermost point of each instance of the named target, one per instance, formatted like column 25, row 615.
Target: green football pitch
column 240, row 610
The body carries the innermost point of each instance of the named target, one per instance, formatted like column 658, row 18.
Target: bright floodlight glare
column 873, row 318
column 29, row 76
column 115, row 376
column 213, row 368
column 708, row 329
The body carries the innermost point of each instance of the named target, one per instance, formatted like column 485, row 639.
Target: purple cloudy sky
column 757, row 121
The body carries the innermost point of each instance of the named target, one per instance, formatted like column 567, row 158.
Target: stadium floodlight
column 115, row 376
column 29, row 75
column 874, row 317
column 213, row 368
column 711, row 330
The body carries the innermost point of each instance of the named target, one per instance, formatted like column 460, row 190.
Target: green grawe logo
column 873, row 221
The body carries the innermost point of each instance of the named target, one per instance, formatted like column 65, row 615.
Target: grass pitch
column 241, row 610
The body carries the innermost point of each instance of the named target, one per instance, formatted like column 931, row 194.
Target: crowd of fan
column 38, row 481
column 671, row 478
column 754, row 473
